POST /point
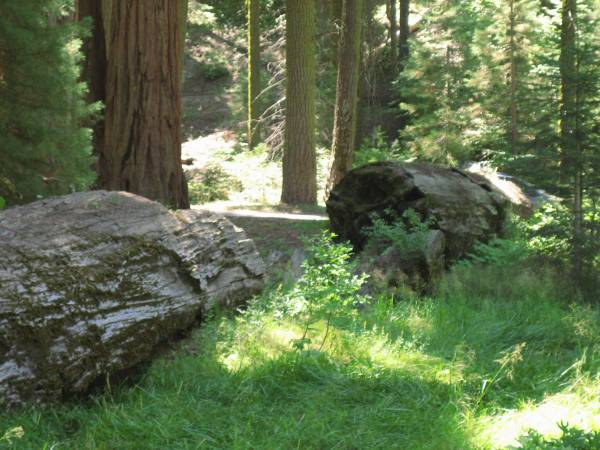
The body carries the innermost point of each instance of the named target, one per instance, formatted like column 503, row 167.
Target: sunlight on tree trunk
column 299, row 159
column 254, row 84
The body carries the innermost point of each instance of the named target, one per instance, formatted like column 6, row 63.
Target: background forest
column 274, row 101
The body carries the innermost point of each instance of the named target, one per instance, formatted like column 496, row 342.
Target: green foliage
column 377, row 149
column 2, row 203
column 407, row 233
column 436, row 86
column 232, row 13
column 212, row 71
column 328, row 288
column 497, row 252
column 547, row 231
column 12, row 434
column 210, row 183
column 572, row 438
column 43, row 147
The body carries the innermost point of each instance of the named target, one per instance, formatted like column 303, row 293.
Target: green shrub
column 210, row 183
column 376, row 149
column 328, row 288
column 571, row 439
column 497, row 252
column 547, row 231
column 212, row 71
column 407, row 233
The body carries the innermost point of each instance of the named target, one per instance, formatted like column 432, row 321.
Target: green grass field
column 494, row 353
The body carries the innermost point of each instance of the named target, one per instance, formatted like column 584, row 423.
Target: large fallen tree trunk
column 90, row 283
column 464, row 207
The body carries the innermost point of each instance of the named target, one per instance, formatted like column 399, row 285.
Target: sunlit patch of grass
column 578, row 406
column 458, row 371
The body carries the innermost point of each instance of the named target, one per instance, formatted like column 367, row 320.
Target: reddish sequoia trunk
column 141, row 152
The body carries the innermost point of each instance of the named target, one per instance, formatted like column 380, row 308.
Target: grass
column 495, row 353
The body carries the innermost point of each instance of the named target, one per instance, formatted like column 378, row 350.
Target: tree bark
column 393, row 31
column 571, row 164
column 514, row 112
column 299, row 159
column 254, row 84
column 404, row 51
column 140, row 147
column 344, row 127
column 94, row 64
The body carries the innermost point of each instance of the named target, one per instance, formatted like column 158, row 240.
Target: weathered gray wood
column 91, row 282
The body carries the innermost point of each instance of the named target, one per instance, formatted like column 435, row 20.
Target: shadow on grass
column 293, row 401
column 513, row 336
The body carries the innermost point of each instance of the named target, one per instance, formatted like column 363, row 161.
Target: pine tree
column 404, row 49
column 299, row 158
column 43, row 149
column 390, row 6
column 436, row 85
column 570, row 120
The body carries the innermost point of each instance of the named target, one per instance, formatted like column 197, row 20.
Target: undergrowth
column 496, row 359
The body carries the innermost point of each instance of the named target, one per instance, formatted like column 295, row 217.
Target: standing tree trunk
column 390, row 7
column 569, row 125
column 344, row 127
column 329, row 18
column 95, row 64
column 514, row 118
column 299, row 158
column 404, row 31
column 254, row 85
column 140, row 149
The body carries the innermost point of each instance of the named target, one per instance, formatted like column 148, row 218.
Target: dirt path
column 274, row 230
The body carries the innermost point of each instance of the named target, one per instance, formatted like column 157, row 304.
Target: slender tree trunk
column 95, row 63
column 514, row 118
column 336, row 17
column 570, row 146
column 344, row 127
column 390, row 7
column 254, row 84
column 141, row 152
column 404, row 31
column 299, row 158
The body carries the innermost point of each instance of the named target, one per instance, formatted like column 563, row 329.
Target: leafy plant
column 211, row 183
column 2, row 203
column 328, row 288
column 12, row 434
column 212, row 71
column 376, row 148
column 548, row 230
column 572, row 439
column 497, row 252
column 407, row 233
